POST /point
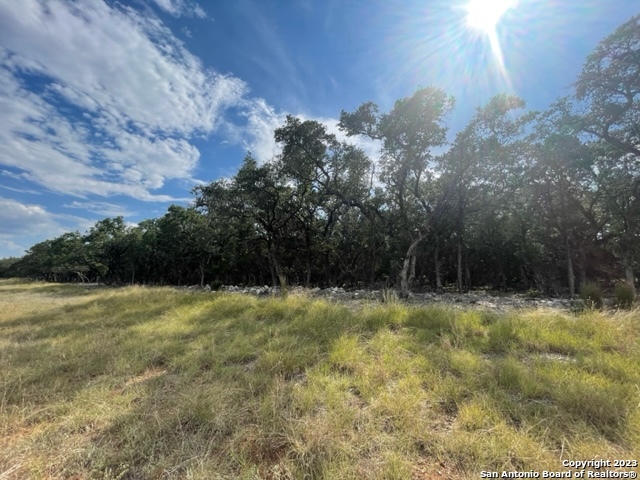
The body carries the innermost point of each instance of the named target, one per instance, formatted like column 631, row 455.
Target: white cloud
column 9, row 248
column 98, row 99
column 180, row 8
column 22, row 221
column 28, row 224
column 141, row 94
column 102, row 208
column 9, row 174
column 138, row 100
column 370, row 147
column 258, row 133
column 17, row 218
column 262, row 121
column 21, row 190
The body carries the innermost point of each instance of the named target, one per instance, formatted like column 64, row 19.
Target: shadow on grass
column 61, row 290
column 224, row 358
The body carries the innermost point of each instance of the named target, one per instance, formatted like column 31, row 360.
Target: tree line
column 518, row 199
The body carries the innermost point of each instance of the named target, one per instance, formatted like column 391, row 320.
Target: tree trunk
column 467, row 273
column 84, row 278
column 459, row 255
column 282, row 278
column 582, row 266
column 405, row 285
column 374, row 263
column 307, row 280
column 628, row 273
column 502, row 276
column 524, row 280
column 412, row 270
column 572, row 279
column 201, row 274
column 459, row 237
column 436, row 261
column 272, row 270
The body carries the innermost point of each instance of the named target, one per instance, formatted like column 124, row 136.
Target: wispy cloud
column 140, row 98
column 19, row 219
column 102, row 208
column 137, row 95
column 118, row 100
column 258, row 133
column 181, row 8
column 15, row 176
column 22, row 223
column 21, row 190
column 274, row 56
column 9, row 248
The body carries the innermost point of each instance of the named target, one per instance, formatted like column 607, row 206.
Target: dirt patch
column 147, row 375
column 431, row 469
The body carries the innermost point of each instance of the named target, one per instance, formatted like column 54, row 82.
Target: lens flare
column 484, row 16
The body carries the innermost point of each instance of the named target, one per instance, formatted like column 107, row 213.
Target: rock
column 474, row 299
column 486, row 304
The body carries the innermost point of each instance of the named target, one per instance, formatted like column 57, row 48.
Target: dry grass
column 150, row 383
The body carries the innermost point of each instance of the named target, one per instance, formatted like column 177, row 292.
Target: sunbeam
column 484, row 16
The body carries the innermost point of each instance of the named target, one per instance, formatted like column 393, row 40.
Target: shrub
column 390, row 297
column 591, row 294
column 625, row 295
column 533, row 293
column 216, row 285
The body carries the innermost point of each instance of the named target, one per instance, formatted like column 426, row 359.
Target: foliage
column 522, row 200
column 624, row 294
column 591, row 294
column 608, row 84
column 7, row 266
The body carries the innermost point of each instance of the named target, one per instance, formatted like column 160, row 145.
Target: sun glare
column 484, row 15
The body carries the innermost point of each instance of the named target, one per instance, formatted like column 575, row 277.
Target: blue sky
column 122, row 107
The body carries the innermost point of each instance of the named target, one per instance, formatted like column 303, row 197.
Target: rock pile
column 473, row 299
column 259, row 291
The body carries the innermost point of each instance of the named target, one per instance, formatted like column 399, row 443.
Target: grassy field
column 150, row 383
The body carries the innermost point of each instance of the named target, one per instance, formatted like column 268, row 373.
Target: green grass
column 151, row 383
column 592, row 295
column 624, row 295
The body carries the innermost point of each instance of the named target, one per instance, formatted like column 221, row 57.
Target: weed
column 533, row 293
column 591, row 295
column 158, row 383
column 390, row 296
column 624, row 294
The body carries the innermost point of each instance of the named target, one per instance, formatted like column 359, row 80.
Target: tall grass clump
column 389, row 296
column 159, row 383
column 625, row 295
column 591, row 294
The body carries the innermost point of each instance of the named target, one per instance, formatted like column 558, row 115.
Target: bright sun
column 484, row 15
